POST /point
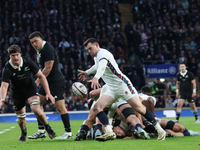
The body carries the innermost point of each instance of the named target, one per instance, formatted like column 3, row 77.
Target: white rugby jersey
column 107, row 68
column 145, row 97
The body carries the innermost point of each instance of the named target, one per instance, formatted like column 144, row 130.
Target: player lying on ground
column 174, row 128
column 123, row 108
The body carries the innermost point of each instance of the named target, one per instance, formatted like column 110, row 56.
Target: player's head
column 182, row 67
column 36, row 40
column 15, row 54
column 92, row 46
column 146, row 90
column 119, row 132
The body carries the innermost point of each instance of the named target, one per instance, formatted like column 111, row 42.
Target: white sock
column 158, row 127
column 109, row 128
column 41, row 130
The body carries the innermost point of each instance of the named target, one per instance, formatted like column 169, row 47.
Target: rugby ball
column 79, row 89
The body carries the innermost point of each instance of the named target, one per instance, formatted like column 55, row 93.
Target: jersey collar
column 38, row 51
column 183, row 74
column 17, row 67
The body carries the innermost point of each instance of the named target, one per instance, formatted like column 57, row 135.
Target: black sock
column 66, row 122
column 103, row 118
column 130, row 126
column 178, row 115
column 98, row 126
column 149, row 116
column 84, row 129
column 137, row 126
column 186, row 132
column 24, row 132
column 195, row 115
column 40, row 125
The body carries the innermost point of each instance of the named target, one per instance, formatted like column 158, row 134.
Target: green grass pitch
column 9, row 139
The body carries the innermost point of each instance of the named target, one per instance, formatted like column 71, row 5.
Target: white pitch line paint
column 7, row 130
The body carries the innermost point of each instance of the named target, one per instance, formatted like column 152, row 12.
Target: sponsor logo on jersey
column 55, row 96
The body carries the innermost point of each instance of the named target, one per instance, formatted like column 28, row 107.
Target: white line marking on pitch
column 7, row 130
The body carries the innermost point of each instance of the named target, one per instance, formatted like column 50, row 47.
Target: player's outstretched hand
column 95, row 83
column 82, row 75
column 49, row 96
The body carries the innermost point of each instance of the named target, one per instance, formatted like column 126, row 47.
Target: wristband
column 177, row 90
column 194, row 90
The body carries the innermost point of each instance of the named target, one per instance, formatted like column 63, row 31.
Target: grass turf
column 9, row 139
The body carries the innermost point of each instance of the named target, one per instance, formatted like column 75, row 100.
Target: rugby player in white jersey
column 105, row 67
column 124, row 112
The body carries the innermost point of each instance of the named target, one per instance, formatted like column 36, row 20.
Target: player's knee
column 21, row 116
column 35, row 102
column 96, row 109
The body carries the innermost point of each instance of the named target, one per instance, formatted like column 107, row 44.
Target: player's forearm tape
column 92, row 70
column 21, row 116
column 177, row 90
column 194, row 90
column 128, row 111
column 101, row 68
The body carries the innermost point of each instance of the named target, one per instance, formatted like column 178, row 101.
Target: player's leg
column 21, row 115
column 41, row 129
column 35, row 107
column 57, row 91
column 60, row 106
column 100, row 104
column 137, row 106
column 194, row 109
column 133, row 122
column 87, row 124
column 179, row 109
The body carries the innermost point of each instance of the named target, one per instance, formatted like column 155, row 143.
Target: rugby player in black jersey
column 185, row 90
column 19, row 71
column 48, row 61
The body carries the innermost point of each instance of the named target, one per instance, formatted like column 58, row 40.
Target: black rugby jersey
column 48, row 53
column 23, row 79
column 185, row 82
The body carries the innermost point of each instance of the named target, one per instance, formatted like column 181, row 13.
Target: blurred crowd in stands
column 163, row 32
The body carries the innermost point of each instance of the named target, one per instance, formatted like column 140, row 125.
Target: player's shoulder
column 103, row 53
column 190, row 73
column 47, row 48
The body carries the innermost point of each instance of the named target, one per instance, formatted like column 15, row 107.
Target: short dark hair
column 35, row 34
column 90, row 40
column 146, row 90
column 14, row 49
column 182, row 63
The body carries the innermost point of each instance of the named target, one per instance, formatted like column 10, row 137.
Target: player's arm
column 45, row 85
column 83, row 74
column 4, row 88
column 100, row 70
column 48, row 65
column 194, row 87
